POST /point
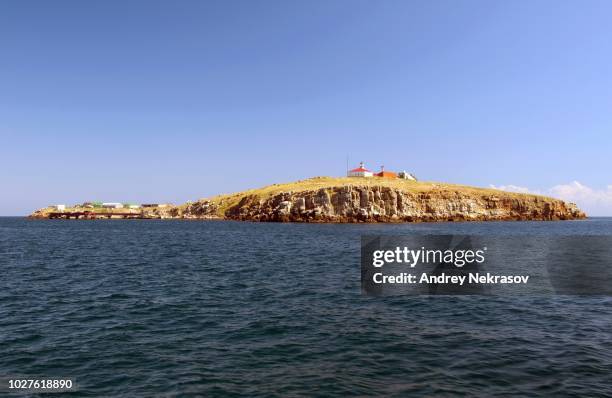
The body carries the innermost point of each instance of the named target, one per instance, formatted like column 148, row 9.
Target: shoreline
column 317, row 222
column 342, row 200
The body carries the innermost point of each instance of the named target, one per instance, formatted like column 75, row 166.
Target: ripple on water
column 221, row 308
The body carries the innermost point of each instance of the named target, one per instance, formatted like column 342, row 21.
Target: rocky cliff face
column 387, row 204
column 202, row 209
column 329, row 199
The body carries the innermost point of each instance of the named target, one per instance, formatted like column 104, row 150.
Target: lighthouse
column 360, row 171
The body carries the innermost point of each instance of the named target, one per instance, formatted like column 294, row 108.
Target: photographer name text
column 458, row 258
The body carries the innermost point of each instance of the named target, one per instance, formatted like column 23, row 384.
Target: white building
column 406, row 176
column 112, row 205
column 59, row 207
column 360, row 171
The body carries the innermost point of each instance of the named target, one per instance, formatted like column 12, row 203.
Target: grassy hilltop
column 360, row 199
column 315, row 183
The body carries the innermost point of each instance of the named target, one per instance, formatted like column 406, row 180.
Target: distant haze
column 174, row 101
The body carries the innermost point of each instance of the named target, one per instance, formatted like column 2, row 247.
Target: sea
column 172, row 308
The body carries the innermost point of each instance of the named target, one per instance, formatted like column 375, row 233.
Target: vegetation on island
column 349, row 199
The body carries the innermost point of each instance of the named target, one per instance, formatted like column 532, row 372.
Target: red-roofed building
column 385, row 174
column 360, row 171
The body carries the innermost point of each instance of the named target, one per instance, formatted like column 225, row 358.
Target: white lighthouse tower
column 360, row 171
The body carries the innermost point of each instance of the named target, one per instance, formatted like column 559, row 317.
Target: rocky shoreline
column 383, row 204
column 352, row 201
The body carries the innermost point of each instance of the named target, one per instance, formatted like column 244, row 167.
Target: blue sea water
column 188, row 308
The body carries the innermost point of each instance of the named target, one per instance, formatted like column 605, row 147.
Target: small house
column 385, row 174
column 59, row 207
column 406, row 176
column 112, row 205
column 360, row 171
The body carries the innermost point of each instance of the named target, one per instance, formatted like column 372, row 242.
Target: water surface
column 189, row 308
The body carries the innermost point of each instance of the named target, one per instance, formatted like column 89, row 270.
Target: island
column 344, row 200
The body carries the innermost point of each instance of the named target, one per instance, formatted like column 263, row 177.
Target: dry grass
column 226, row 201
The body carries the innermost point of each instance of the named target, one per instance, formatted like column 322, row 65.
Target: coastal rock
column 385, row 204
column 327, row 199
column 203, row 209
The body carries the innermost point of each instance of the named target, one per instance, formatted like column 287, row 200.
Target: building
column 112, row 205
column 360, row 171
column 133, row 206
column 59, row 207
column 385, row 174
column 406, row 176
column 149, row 205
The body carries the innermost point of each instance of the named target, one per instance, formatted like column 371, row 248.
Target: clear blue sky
column 147, row 101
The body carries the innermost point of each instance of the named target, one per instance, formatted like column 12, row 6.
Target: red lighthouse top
column 360, row 168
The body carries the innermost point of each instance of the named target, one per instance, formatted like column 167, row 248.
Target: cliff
column 324, row 199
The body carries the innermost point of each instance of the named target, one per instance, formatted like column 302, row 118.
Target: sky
column 147, row 101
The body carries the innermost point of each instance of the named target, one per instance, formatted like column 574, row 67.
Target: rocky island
column 328, row 199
